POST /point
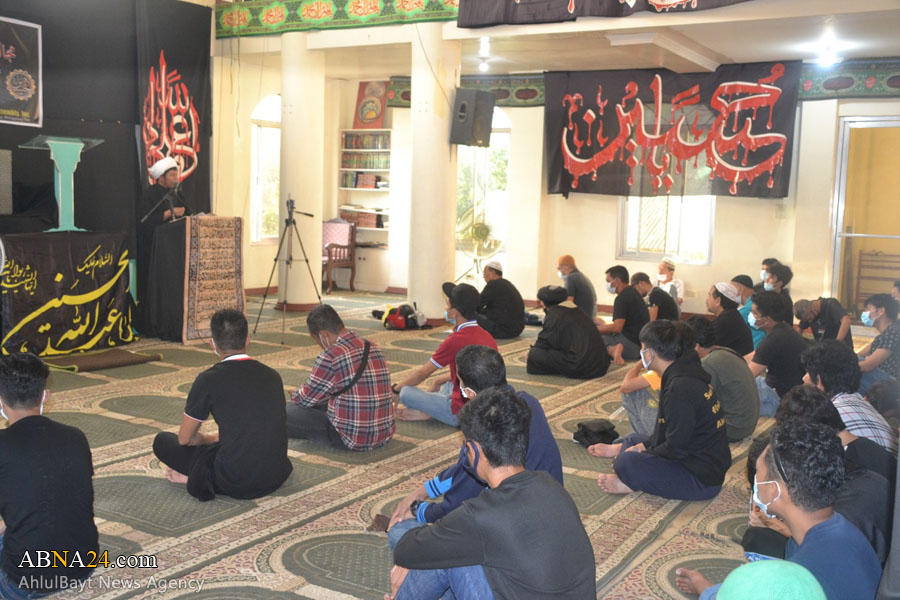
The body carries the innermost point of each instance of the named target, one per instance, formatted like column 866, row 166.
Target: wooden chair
column 338, row 250
column 876, row 272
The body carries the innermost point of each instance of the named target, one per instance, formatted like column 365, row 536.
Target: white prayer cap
column 160, row 167
column 729, row 291
column 495, row 265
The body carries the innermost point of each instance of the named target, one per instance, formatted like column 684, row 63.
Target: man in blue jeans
column 444, row 399
column 478, row 368
column 776, row 362
column 687, row 455
column 521, row 538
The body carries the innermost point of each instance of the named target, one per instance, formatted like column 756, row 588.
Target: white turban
column 160, row 167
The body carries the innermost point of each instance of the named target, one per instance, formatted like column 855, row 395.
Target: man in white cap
column 165, row 174
column 666, row 279
column 501, row 310
column 731, row 330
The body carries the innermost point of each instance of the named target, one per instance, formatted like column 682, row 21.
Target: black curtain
column 173, row 71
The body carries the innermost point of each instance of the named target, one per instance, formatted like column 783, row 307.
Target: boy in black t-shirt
column 661, row 303
column 826, row 318
column 248, row 457
column 630, row 314
column 46, row 493
column 778, row 355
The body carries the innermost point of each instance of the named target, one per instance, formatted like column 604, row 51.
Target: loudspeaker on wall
column 473, row 111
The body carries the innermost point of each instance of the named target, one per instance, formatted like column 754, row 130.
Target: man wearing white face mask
column 630, row 314
column 581, row 290
column 445, row 398
column 46, row 494
column 346, row 402
column 247, row 458
column 797, row 479
column 667, row 281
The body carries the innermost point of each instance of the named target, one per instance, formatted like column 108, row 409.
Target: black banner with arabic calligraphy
column 20, row 73
column 483, row 13
column 64, row 292
column 174, row 93
column 653, row 132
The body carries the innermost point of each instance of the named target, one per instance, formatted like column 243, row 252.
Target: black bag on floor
column 595, row 431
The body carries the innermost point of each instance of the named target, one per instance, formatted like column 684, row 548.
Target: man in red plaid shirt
column 343, row 403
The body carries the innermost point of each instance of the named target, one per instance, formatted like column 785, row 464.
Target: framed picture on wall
column 370, row 104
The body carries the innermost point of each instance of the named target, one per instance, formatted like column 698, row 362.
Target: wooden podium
column 196, row 268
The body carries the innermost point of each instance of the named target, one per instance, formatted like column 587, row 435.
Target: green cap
column 770, row 580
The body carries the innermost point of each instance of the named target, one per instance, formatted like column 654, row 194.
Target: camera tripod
column 289, row 224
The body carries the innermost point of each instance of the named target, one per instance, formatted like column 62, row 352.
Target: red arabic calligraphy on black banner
column 484, row 13
column 733, row 127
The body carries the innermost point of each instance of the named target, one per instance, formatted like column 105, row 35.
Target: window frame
column 623, row 253
column 255, row 208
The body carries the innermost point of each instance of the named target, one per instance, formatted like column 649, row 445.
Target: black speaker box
column 473, row 111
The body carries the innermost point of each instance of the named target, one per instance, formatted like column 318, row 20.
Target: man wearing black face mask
column 346, row 402
column 478, row 368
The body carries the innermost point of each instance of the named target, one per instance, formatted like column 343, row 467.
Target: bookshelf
column 364, row 184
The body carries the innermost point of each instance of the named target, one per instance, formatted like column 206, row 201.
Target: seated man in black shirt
column 521, row 538
column 569, row 343
column 731, row 330
column 630, row 314
column 687, row 455
column 661, row 303
column 826, row 318
column 778, row 355
column 46, row 493
column 248, row 457
column 501, row 310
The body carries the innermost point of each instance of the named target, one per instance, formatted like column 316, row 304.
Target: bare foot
column 610, row 482
column 605, row 450
column 409, row 414
column 617, row 354
column 175, row 477
column 691, row 582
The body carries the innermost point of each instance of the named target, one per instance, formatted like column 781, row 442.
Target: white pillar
column 302, row 172
column 435, row 75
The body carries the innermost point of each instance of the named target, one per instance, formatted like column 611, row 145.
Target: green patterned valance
column 869, row 78
column 266, row 17
column 510, row 90
column 863, row 78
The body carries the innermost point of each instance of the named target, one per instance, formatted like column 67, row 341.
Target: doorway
column 866, row 210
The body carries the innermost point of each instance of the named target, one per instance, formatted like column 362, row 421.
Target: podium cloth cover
column 196, row 268
column 65, row 292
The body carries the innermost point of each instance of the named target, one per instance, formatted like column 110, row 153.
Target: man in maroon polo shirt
column 444, row 398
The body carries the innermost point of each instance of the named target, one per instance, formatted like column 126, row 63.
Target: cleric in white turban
column 164, row 173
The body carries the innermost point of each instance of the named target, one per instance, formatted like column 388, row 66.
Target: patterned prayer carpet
column 309, row 539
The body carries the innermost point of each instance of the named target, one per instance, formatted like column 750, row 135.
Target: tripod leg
column 271, row 274
column 312, row 277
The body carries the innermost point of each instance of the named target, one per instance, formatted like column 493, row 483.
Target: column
column 435, row 74
column 302, row 143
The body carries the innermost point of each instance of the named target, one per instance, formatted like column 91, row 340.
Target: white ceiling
column 864, row 30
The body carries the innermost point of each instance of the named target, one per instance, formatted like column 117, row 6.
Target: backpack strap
column 359, row 371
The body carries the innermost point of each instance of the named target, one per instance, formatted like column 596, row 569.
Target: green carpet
column 308, row 540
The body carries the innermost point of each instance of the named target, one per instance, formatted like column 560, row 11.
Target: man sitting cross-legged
column 346, row 402
column 797, row 478
column 478, row 368
column 248, row 457
column 687, row 455
column 521, row 538
column 46, row 494
column 444, row 399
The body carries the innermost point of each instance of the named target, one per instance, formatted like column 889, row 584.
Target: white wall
column 797, row 229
